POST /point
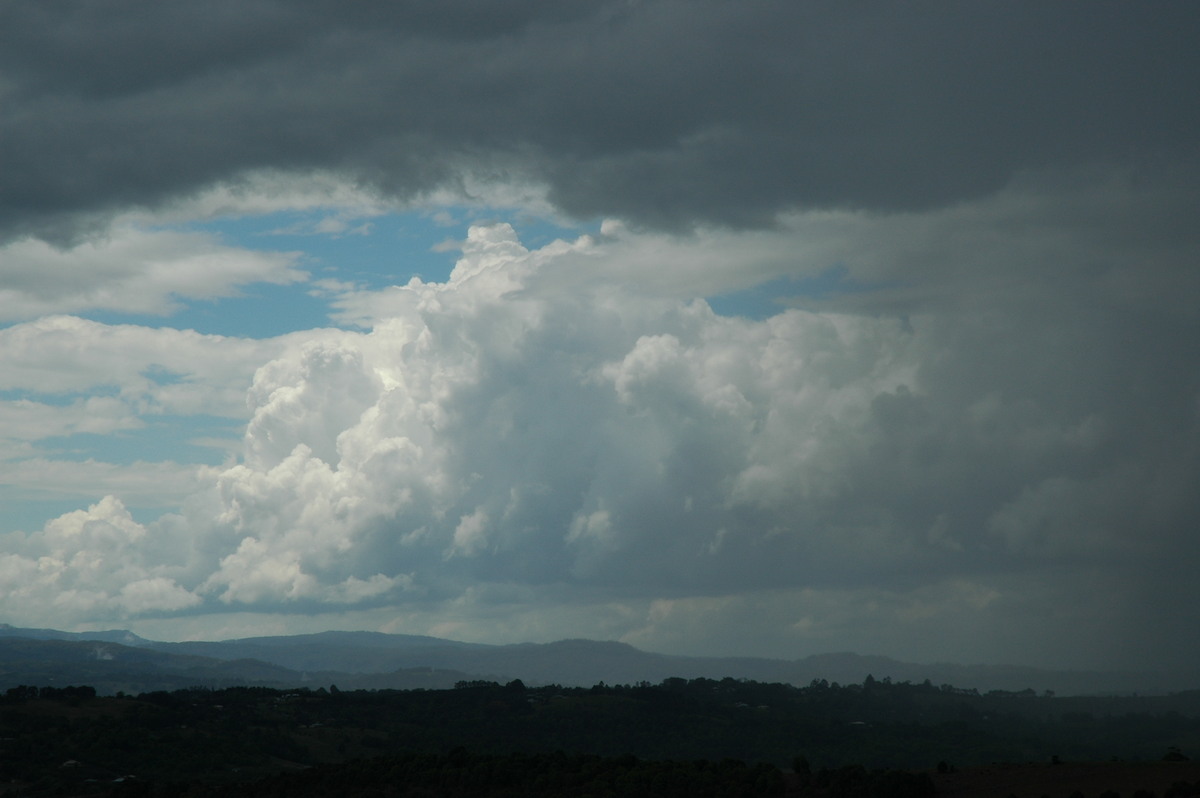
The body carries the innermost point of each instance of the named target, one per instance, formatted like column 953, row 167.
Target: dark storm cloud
column 663, row 112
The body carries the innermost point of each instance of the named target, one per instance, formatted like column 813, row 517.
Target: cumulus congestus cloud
column 531, row 437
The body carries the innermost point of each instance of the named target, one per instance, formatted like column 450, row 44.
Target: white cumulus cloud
column 130, row 270
column 97, row 563
column 537, row 446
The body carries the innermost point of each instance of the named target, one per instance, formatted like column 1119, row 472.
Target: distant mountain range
column 119, row 660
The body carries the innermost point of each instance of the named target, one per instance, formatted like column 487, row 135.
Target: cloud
column 141, row 484
column 130, row 271
column 27, row 420
column 152, row 370
column 74, row 390
column 92, row 564
column 539, row 431
column 494, row 429
column 539, row 447
column 973, row 420
column 155, row 595
column 611, row 108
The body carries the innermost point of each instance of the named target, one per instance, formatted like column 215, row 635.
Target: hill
column 372, row 659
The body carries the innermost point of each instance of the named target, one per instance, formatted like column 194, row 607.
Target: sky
column 756, row 328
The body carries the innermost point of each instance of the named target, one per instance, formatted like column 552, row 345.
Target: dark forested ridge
column 681, row 736
column 119, row 660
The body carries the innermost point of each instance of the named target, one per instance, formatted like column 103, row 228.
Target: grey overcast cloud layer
column 664, row 112
column 971, row 431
